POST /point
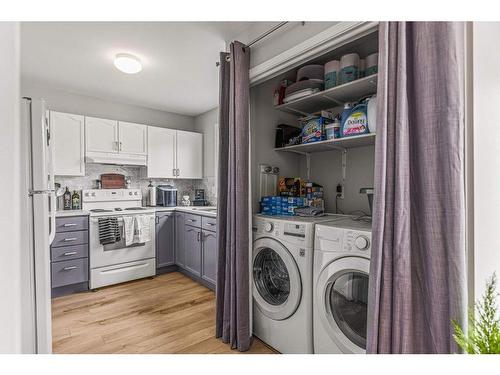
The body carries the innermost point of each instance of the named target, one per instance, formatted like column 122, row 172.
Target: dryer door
column 277, row 287
column 342, row 300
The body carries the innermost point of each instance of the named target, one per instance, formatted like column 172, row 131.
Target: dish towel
column 109, row 231
column 128, row 229
column 142, row 231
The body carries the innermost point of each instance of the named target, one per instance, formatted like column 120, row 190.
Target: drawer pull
column 190, row 230
column 211, row 224
column 69, row 225
column 70, row 268
column 70, row 253
column 70, row 239
column 192, row 220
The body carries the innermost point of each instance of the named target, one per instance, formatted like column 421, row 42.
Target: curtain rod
column 260, row 37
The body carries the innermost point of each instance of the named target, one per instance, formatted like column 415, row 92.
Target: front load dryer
column 282, row 266
column 342, row 251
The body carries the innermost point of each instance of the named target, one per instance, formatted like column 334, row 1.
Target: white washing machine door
column 277, row 287
column 342, row 300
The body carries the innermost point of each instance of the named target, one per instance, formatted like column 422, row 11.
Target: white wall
column 263, row 121
column 90, row 106
column 279, row 41
column 10, row 198
column 486, row 104
column 326, row 170
column 206, row 124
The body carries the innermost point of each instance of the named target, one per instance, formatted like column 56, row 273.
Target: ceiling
column 179, row 73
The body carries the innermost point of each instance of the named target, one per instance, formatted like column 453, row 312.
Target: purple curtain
column 232, row 290
column 417, row 275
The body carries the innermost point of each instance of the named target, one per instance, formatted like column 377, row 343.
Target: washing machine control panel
column 355, row 241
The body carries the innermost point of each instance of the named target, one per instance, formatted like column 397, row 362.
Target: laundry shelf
column 333, row 97
column 331, row 144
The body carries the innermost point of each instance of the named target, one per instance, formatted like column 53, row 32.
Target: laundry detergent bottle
column 355, row 122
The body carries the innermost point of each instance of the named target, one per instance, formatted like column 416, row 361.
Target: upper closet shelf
column 333, row 97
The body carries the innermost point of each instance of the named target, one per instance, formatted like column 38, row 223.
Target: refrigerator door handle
column 52, row 232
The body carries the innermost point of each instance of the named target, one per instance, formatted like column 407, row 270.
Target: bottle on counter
column 67, row 199
column 75, row 201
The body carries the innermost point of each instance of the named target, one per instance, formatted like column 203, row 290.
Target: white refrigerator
column 39, row 225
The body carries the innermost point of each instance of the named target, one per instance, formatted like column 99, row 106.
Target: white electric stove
column 116, row 263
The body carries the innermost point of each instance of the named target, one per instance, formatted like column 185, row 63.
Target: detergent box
column 313, row 127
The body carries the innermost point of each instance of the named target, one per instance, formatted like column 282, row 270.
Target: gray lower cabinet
column 180, row 256
column 165, row 239
column 70, row 256
column 209, row 256
column 192, row 249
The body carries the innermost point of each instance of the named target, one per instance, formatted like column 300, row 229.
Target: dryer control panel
column 333, row 239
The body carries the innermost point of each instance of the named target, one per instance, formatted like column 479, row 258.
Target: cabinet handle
column 120, row 147
column 157, row 220
column 173, row 172
column 211, row 224
column 70, row 239
column 69, row 268
column 178, row 172
column 69, row 225
column 190, row 230
column 198, row 236
column 117, row 146
column 70, row 253
column 192, row 220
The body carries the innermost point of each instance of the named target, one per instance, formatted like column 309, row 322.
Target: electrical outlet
column 340, row 191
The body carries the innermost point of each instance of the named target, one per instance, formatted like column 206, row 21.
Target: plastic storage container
column 349, row 68
column 332, row 74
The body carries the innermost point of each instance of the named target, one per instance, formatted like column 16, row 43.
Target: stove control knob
column 268, row 227
column 129, row 193
column 362, row 242
column 93, row 194
column 135, row 192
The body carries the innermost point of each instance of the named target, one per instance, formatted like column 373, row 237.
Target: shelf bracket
column 308, row 166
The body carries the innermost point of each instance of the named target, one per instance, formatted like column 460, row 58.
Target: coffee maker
column 199, row 198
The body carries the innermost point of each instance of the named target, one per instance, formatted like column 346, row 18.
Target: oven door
column 118, row 253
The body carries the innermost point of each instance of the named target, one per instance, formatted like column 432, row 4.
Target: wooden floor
column 167, row 314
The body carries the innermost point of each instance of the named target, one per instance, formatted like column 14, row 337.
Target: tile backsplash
column 184, row 187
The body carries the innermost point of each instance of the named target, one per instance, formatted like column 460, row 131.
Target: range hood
column 115, row 158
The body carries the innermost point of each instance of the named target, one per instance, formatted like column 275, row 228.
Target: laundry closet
column 348, row 161
column 313, row 131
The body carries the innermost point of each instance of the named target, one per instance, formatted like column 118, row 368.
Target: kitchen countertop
column 65, row 213
column 196, row 210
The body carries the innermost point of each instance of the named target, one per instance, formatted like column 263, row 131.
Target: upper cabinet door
column 69, row 143
column 101, row 135
column 189, row 154
column 161, row 152
column 132, row 138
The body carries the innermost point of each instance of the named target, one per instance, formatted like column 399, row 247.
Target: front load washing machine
column 282, row 271
column 342, row 251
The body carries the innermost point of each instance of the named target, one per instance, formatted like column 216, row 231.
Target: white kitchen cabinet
column 174, row 153
column 161, row 153
column 132, row 138
column 68, row 137
column 113, row 142
column 101, row 135
column 189, row 154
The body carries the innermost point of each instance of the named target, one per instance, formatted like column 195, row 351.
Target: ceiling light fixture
column 128, row 63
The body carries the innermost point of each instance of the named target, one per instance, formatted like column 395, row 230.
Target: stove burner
column 118, row 209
